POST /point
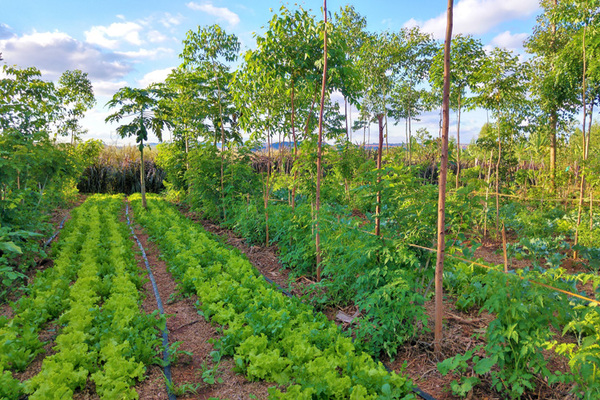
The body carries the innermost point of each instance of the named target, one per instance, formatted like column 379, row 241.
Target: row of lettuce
column 269, row 335
column 91, row 297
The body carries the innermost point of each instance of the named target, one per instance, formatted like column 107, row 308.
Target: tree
column 77, row 96
column 142, row 105
column 504, row 92
column 583, row 18
column 553, row 86
column 377, row 65
column 319, row 146
column 465, row 63
column 205, row 50
column 412, row 61
column 189, row 107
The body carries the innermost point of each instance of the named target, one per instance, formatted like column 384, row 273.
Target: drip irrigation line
column 60, row 226
column 165, row 337
column 282, row 290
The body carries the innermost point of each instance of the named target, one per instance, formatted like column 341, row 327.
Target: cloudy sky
column 134, row 43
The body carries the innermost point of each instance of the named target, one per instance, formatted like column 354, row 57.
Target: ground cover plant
column 269, row 335
column 92, row 294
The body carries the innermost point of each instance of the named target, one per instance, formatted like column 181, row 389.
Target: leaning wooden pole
column 318, row 195
column 441, row 240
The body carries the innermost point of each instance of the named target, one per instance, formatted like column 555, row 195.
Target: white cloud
column 156, row 37
column 479, row 16
column 55, row 52
column 221, row 13
column 171, row 20
column 146, row 53
column 156, row 76
column 412, row 23
column 111, row 36
column 107, row 88
column 510, row 41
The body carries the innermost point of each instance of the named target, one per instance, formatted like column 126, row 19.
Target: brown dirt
column 194, row 332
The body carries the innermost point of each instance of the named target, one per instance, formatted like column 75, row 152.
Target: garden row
column 269, row 335
column 387, row 278
column 92, row 294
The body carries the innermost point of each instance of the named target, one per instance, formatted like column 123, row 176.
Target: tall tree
column 77, row 96
column 142, row 105
column 209, row 49
column 554, row 87
column 504, row 92
column 412, row 62
column 293, row 48
column 465, row 63
column 189, row 107
column 320, row 141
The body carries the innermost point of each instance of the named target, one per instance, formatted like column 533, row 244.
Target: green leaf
column 10, row 247
column 484, row 365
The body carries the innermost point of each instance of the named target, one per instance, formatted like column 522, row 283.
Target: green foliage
column 270, row 336
column 10, row 388
column 469, row 373
column 393, row 314
column 117, row 170
column 93, row 290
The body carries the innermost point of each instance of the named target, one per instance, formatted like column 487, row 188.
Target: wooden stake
column 319, row 145
column 441, row 225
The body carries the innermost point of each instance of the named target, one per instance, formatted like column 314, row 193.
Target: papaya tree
column 142, row 105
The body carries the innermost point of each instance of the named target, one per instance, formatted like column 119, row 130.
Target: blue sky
column 133, row 43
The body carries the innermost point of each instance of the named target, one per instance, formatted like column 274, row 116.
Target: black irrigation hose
column 415, row 389
column 62, row 223
column 282, row 290
column 165, row 337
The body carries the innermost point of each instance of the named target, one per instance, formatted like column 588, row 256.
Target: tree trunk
column 267, row 191
column 409, row 137
column 142, row 174
column 387, row 145
column 441, row 239
column 553, row 117
column 553, row 126
column 346, row 117
column 379, row 151
column 487, row 194
column 498, row 181
column 295, row 148
column 318, row 195
column 458, row 143
column 222, row 140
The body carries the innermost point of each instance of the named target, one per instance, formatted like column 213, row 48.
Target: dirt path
column 195, row 335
